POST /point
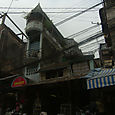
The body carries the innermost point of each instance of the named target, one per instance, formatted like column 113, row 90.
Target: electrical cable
column 75, row 15
column 91, row 52
column 91, row 38
column 9, row 6
column 66, row 9
column 88, row 45
column 87, row 35
column 45, row 8
column 83, row 31
column 53, row 12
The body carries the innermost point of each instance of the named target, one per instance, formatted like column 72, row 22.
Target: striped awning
column 101, row 82
column 101, row 79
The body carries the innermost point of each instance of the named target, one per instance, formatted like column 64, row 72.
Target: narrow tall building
column 46, row 45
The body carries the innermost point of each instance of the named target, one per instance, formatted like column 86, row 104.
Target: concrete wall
column 111, row 25
column 11, row 51
column 111, row 13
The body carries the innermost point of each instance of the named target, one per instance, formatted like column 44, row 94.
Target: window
column 54, row 73
column 34, row 43
column 34, row 36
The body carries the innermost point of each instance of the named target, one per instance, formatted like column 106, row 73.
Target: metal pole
column 16, row 26
column 3, row 18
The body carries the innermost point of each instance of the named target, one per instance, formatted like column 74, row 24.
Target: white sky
column 75, row 25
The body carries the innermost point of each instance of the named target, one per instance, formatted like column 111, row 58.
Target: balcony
column 33, row 53
column 32, row 56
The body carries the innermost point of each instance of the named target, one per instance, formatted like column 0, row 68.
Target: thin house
column 57, row 64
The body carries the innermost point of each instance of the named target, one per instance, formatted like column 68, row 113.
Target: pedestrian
column 100, row 107
column 17, row 109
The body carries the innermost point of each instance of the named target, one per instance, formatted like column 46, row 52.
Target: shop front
column 101, row 88
column 12, row 94
column 66, row 98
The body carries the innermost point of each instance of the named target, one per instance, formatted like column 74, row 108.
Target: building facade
column 55, row 66
column 108, row 26
column 46, row 45
column 12, row 52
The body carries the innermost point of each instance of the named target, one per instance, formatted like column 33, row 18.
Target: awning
column 100, row 82
column 102, row 78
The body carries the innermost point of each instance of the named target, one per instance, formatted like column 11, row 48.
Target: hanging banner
column 18, row 82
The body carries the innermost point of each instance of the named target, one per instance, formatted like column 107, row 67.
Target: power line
column 18, row 12
column 14, row 12
column 89, row 45
column 91, row 52
column 68, row 9
column 10, row 5
column 82, row 32
column 75, row 15
column 45, row 8
column 93, row 37
column 89, row 39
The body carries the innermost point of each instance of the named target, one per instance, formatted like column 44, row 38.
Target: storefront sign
column 18, row 82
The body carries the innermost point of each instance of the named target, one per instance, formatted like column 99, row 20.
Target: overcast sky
column 74, row 25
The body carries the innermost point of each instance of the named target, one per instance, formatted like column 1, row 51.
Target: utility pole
column 3, row 18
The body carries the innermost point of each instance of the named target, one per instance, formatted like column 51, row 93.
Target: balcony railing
column 31, row 56
column 32, row 53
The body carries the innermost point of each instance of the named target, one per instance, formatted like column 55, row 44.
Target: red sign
column 18, row 82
